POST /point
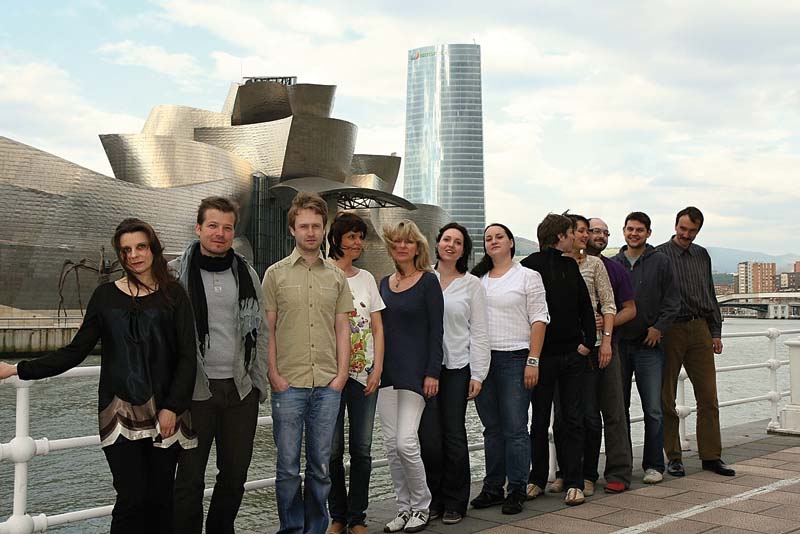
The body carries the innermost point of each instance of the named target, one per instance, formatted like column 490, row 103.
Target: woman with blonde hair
column 413, row 330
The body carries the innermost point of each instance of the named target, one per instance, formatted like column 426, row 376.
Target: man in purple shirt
column 619, row 460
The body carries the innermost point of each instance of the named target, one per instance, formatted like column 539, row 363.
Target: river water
column 79, row 478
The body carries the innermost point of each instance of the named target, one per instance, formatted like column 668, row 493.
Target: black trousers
column 231, row 423
column 443, row 442
column 566, row 372
column 143, row 478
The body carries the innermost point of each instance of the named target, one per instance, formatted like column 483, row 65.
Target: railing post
column 682, row 409
column 21, row 449
column 790, row 415
column 774, row 364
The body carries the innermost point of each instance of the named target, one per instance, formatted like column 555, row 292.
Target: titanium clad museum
column 444, row 132
column 273, row 137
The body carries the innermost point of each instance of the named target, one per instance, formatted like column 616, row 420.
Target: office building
column 444, row 133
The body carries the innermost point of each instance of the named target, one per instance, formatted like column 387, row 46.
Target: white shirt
column 366, row 300
column 516, row 300
column 466, row 335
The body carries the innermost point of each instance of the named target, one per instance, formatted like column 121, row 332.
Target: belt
column 688, row 318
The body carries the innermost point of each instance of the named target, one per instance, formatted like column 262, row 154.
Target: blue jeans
column 351, row 508
column 293, row 410
column 503, row 409
column 648, row 364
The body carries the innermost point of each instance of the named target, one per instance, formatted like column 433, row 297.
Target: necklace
column 399, row 277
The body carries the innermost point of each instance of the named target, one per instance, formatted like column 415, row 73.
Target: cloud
column 42, row 105
column 183, row 68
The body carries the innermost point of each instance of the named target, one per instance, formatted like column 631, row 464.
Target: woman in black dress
column 147, row 371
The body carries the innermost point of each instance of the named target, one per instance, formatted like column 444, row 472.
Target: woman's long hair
column 159, row 269
column 461, row 263
column 486, row 264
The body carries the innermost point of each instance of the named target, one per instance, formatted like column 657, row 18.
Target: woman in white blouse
column 443, row 434
column 517, row 317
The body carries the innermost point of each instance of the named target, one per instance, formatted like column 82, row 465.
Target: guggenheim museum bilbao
column 273, row 137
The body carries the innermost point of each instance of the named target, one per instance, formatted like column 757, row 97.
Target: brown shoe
column 358, row 529
column 337, row 527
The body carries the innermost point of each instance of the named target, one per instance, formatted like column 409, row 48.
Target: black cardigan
column 568, row 302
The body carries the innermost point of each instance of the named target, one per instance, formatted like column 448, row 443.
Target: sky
column 601, row 108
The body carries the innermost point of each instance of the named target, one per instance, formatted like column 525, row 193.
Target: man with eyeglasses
column 640, row 347
column 619, row 460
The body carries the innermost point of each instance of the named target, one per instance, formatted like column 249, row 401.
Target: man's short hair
column 225, row 205
column 305, row 200
column 639, row 216
column 343, row 223
column 551, row 227
column 695, row 215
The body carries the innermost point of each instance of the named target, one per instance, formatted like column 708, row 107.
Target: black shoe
column 486, row 499
column 434, row 513
column 675, row 468
column 513, row 502
column 451, row 518
column 719, row 467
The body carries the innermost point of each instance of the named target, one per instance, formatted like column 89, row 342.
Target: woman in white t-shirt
column 517, row 312
column 360, row 394
column 442, row 431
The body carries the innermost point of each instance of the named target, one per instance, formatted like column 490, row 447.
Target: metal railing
column 23, row 448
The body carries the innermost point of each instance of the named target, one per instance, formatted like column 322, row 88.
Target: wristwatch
column 532, row 361
column 606, row 334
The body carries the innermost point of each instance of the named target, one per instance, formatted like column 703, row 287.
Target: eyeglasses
column 598, row 231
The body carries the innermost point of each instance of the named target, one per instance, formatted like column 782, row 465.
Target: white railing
column 23, row 448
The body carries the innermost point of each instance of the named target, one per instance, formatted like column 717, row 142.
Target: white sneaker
column 588, row 488
column 651, row 476
column 574, row 497
column 418, row 521
column 533, row 491
column 397, row 524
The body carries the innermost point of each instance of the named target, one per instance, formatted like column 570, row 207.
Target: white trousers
column 401, row 411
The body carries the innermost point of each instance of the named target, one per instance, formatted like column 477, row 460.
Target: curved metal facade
column 385, row 167
column 444, row 132
column 269, row 140
column 180, row 121
column 162, row 161
column 55, row 210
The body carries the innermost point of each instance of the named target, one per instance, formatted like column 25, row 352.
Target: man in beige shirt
column 307, row 303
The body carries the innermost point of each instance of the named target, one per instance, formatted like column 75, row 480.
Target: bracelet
column 532, row 362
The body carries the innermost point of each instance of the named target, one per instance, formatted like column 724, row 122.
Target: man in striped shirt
column 692, row 342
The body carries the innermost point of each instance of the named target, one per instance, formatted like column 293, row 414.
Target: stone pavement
column 764, row 496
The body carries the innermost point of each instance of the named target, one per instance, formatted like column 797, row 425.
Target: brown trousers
column 689, row 345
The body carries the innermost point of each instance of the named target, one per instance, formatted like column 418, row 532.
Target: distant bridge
column 779, row 305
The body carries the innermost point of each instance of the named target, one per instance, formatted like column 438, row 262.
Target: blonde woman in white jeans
column 413, row 330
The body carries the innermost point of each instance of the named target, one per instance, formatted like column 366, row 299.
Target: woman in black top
column 147, row 371
column 413, row 329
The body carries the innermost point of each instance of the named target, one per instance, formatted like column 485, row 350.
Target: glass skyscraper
column 444, row 133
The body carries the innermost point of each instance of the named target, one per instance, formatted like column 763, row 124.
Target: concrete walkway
column 764, row 496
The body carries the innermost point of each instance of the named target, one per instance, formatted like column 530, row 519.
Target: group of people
column 190, row 349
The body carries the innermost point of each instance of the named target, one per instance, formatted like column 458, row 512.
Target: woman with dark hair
column 360, row 394
column 147, row 372
column 412, row 322
column 517, row 312
column 443, row 434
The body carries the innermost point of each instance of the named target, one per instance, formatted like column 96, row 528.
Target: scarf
column 248, row 300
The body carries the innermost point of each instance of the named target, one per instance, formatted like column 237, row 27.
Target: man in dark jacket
column 568, row 340
column 640, row 347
